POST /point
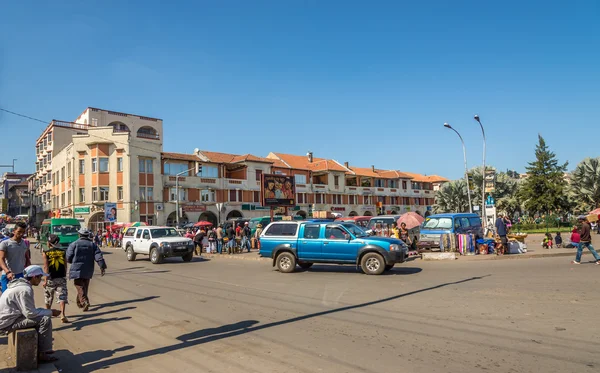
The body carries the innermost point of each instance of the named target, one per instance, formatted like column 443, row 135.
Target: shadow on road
column 78, row 325
column 243, row 327
column 332, row 268
column 74, row 363
column 122, row 302
column 88, row 315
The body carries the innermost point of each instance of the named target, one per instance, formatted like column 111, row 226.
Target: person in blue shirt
column 501, row 229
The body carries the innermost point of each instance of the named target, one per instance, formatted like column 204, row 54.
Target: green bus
column 65, row 229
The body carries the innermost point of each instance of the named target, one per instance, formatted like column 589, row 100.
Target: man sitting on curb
column 17, row 311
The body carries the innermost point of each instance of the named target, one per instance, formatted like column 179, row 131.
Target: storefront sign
column 338, row 209
column 194, row 208
column 82, row 210
column 369, row 208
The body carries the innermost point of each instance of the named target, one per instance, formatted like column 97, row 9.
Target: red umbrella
column 595, row 212
column 411, row 219
column 203, row 223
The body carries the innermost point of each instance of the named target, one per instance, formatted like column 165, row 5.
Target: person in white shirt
column 18, row 311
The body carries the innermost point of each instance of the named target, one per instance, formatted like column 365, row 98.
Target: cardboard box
column 592, row 218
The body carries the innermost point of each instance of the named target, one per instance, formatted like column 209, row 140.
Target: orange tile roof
column 180, row 156
column 426, row 179
column 217, row 157
column 326, row 165
column 251, row 158
column 298, row 162
column 393, row 174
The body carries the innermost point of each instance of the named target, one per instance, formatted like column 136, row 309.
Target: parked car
column 436, row 225
column 235, row 222
column 158, row 242
column 304, row 243
column 362, row 221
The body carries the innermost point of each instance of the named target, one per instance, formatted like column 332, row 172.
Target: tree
column 452, row 197
column 585, row 184
column 544, row 188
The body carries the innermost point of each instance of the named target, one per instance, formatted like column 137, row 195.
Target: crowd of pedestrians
column 229, row 240
column 19, row 276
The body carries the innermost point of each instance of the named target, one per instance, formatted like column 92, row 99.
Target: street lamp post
column 466, row 170
column 177, row 193
column 483, row 214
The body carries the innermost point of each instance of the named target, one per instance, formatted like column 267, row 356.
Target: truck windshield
column 65, row 230
column 437, row 223
column 164, row 232
column 355, row 230
column 253, row 223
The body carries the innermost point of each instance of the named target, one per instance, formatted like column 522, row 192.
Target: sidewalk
column 533, row 241
column 7, row 365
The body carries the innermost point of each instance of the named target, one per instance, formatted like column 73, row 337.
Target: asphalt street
column 220, row 315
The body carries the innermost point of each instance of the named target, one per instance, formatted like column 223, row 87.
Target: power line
column 22, row 115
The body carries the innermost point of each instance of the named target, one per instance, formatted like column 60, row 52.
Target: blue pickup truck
column 303, row 243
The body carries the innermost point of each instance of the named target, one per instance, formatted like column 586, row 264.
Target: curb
column 255, row 257
column 515, row 257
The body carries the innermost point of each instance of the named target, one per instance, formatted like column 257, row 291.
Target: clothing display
column 466, row 244
column 448, row 242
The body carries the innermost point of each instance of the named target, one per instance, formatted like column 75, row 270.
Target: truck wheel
column 188, row 257
column 286, row 262
column 372, row 264
column 305, row 265
column 130, row 254
column 155, row 256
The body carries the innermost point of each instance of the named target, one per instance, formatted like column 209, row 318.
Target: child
column 558, row 240
column 575, row 237
column 547, row 244
column 55, row 265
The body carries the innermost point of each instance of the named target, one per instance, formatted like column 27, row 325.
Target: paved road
column 242, row 316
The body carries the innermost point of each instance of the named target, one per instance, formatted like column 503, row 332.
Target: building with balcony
column 7, row 198
column 110, row 157
column 19, row 200
column 227, row 186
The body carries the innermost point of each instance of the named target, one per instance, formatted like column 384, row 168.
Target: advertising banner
column 110, row 212
column 278, row 190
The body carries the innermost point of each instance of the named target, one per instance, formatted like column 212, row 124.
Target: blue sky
column 364, row 82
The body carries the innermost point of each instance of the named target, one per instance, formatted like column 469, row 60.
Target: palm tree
column 452, row 198
column 585, row 184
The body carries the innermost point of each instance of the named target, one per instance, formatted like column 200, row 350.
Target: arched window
column 119, row 127
column 147, row 132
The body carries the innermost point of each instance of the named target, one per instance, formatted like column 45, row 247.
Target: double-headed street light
column 483, row 215
column 466, row 170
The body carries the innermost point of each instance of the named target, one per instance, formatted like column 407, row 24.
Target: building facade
column 114, row 159
column 106, row 157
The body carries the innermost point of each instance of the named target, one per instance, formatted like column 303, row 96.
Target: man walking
column 55, row 264
column 586, row 241
column 220, row 239
column 501, row 230
column 246, row 234
column 81, row 254
column 17, row 311
column 14, row 256
column 231, row 239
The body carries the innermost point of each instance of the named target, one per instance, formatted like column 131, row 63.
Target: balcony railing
column 61, row 123
column 151, row 136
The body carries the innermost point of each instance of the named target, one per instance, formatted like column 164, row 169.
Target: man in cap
column 55, row 264
column 586, row 241
column 17, row 311
column 81, row 254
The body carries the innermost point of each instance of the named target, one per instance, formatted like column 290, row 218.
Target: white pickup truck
column 158, row 242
